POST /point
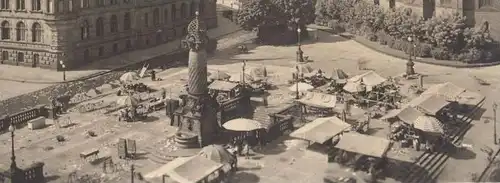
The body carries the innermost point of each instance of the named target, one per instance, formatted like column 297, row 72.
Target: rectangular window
column 36, row 5
column 128, row 44
column 485, row 3
column 115, row 48
column 4, row 4
column 85, row 3
column 101, row 51
column 146, row 19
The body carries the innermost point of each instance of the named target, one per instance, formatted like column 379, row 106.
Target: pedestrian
column 247, row 150
column 264, row 100
column 153, row 75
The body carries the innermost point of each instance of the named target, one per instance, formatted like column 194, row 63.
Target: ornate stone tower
column 198, row 114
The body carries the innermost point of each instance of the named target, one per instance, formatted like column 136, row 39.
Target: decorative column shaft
column 196, row 41
column 197, row 82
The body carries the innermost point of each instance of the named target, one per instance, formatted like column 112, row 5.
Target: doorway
column 36, row 60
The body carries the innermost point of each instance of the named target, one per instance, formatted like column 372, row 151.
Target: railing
column 281, row 122
column 21, row 118
column 34, row 173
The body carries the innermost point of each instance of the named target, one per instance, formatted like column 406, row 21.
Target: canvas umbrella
column 242, row 125
column 129, row 77
column 127, row 101
column 428, row 124
column 258, row 72
column 217, row 153
column 302, row 87
column 219, row 75
column 354, row 87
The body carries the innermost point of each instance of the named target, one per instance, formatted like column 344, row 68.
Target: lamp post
column 409, row 65
column 13, row 166
column 132, row 169
column 297, row 83
column 63, row 69
column 495, row 105
column 299, row 49
column 243, row 73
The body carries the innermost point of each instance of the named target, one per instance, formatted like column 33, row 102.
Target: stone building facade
column 476, row 11
column 42, row 33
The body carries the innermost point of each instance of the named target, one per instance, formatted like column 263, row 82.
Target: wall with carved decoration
column 62, row 25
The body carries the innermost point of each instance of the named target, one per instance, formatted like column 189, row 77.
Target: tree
column 276, row 19
column 256, row 14
column 295, row 13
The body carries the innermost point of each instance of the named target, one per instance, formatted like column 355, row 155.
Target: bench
column 93, row 153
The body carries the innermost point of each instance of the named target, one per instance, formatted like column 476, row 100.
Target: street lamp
column 63, row 69
column 13, row 165
column 243, row 73
column 299, row 49
column 495, row 105
column 409, row 65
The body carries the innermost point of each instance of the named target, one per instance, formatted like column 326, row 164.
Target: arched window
column 5, row 30
column 183, row 10
column 99, row 27
column 36, row 32
column 60, row 6
column 5, row 55
column 165, row 16
column 20, row 5
column 4, row 4
column 156, row 17
column 126, row 21
column 20, row 57
column 173, row 12
column 192, row 9
column 20, row 31
column 36, row 5
column 84, row 30
column 113, row 24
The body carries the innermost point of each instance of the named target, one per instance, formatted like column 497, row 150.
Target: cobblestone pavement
column 336, row 52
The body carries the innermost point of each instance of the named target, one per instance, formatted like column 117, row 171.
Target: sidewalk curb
column 100, row 73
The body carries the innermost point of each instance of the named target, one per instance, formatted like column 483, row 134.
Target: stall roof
column 321, row 129
column 391, row 114
column 222, row 85
column 409, row 115
column 429, row 103
column 364, row 144
column 319, row 100
column 193, row 169
column 433, row 104
column 448, row 90
column 370, row 78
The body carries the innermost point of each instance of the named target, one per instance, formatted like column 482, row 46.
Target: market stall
column 321, row 130
column 224, row 90
column 353, row 150
column 195, row 169
column 429, row 104
column 317, row 103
